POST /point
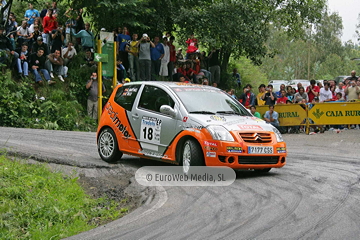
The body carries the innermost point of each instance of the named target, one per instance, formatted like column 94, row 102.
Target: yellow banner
column 335, row 113
column 289, row 114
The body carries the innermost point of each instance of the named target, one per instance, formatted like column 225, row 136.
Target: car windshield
column 207, row 100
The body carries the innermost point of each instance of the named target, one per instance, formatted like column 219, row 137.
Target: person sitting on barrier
column 352, row 92
column 269, row 97
column 272, row 117
column 325, row 93
column 312, row 90
column 283, row 98
column 254, row 112
column 301, row 96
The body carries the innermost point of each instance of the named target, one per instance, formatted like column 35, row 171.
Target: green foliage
column 36, row 203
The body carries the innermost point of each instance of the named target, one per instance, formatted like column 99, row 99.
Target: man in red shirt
column 192, row 45
column 283, row 98
column 172, row 57
column 312, row 90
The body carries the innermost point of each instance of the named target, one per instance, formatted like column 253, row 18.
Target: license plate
column 260, row 150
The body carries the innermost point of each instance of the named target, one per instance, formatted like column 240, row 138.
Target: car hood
column 230, row 122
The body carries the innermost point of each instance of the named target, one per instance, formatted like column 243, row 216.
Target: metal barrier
column 313, row 114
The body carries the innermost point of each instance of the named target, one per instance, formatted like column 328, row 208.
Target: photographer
column 269, row 97
column 145, row 57
column 57, row 37
column 247, row 98
column 312, row 90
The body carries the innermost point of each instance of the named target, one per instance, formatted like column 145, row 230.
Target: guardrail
column 331, row 113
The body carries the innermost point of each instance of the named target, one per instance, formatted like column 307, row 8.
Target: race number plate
column 260, row 150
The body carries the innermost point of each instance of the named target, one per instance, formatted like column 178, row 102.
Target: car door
column 154, row 130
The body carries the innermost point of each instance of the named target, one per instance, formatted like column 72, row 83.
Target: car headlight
column 278, row 135
column 220, row 133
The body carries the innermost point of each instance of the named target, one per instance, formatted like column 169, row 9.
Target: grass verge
column 36, row 203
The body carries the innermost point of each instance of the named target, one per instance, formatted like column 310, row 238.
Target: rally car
column 188, row 125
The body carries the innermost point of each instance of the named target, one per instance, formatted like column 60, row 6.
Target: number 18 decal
column 150, row 129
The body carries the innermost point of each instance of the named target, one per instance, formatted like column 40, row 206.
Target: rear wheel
column 191, row 155
column 108, row 146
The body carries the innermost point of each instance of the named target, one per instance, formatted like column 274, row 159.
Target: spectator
column 157, row 53
column 300, row 96
column 236, row 77
column 44, row 10
column 70, row 25
column 232, row 93
column 24, row 34
column 352, row 91
column 289, row 93
column 269, row 97
column 205, row 81
column 122, row 41
column 283, row 99
column 49, row 23
column 57, row 38
column 121, row 71
column 172, row 60
column 254, row 112
column 247, row 98
column 23, row 61
column 299, row 84
column 80, row 25
column 341, row 89
column 192, row 45
column 278, row 94
column 190, row 73
column 214, row 65
column 40, row 44
column 312, row 90
column 89, row 59
column 179, row 55
column 31, row 14
column 325, row 94
column 338, row 97
column 134, row 58
column 68, row 53
column 272, row 117
column 164, row 72
column 332, row 89
column 145, row 57
column 37, row 22
column 87, row 38
column 55, row 9
column 37, row 65
column 259, row 101
column 35, row 36
column 6, row 48
column 353, row 76
column 215, row 85
column 183, row 79
column 55, row 63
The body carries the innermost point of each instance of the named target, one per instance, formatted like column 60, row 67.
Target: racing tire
column 108, row 146
column 264, row 170
column 192, row 155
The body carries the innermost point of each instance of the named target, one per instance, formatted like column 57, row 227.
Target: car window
column 152, row 98
column 125, row 96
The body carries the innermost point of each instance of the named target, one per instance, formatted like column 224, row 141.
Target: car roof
column 171, row 84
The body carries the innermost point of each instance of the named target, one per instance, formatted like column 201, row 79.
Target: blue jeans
column 23, row 67
column 38, row 76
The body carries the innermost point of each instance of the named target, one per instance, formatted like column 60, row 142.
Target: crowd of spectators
column 42, row 45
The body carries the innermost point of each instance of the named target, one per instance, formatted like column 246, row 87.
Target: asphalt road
column 315, row 196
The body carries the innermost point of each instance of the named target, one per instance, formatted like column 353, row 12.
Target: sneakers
column 50, row 82
column 61, row 78
column 51, row 75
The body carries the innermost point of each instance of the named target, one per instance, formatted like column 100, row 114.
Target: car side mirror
column 166, row 109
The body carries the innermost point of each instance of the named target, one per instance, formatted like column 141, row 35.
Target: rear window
column 125, row 96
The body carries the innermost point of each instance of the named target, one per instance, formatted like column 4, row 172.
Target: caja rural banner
column 335, row 113
column 289, row 114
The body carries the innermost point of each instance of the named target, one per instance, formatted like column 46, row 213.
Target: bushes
column 64, row 107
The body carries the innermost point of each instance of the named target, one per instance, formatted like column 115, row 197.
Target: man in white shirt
column 325, row 93
column 165, row 60
column 67, row 54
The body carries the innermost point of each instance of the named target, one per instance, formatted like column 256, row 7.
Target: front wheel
column 108, row 146
column 191, row 155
